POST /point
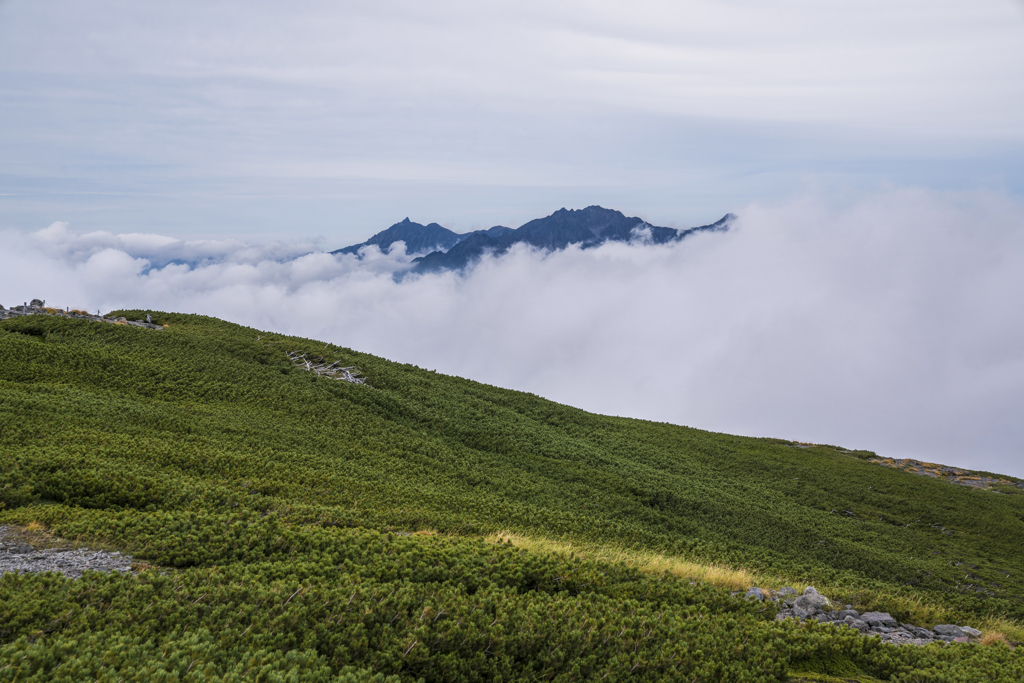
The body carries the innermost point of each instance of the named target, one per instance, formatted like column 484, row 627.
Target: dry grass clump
column 1000, row 630
column 643, row 560
column 991, row 638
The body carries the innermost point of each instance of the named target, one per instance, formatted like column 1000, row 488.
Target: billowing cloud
column 891, row 324
column 59, row 241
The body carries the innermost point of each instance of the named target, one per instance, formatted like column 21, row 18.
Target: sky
column 200, row 157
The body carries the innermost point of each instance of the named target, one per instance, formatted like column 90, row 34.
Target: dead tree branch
column 321, row 368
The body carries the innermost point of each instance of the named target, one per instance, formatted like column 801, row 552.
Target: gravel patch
column 18, row 556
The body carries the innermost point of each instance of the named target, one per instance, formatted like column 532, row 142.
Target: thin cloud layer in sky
column 892, row 324
column 339, row 118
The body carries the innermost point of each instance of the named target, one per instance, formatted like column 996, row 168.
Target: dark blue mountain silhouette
column 419, row 239
column 587, row 227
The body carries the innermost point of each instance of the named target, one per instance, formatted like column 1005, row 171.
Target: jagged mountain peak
column 444, row 249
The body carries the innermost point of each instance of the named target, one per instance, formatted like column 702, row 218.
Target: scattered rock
column 756, row 594
column 879, row 619
column 811, row 602
column 853, row 622
column 813, row 605
column 953, row 475
column 949, row 630
column 37, row 307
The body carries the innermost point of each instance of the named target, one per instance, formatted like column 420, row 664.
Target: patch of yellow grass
column 646, row 561
column 1000, row 629
column 35, row 527
column 992, row 637
column 922, row 612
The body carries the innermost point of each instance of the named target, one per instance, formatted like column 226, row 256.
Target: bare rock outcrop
column 812, row 605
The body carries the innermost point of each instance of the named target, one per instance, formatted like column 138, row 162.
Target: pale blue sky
column 336, row 119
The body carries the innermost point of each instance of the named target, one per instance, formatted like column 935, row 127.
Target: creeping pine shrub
column 275, row 512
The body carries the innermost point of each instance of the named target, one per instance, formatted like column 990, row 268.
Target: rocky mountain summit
column 589, row 227
column 420, row 239
column 39, row 307
column 812, row 605
column 953, row 475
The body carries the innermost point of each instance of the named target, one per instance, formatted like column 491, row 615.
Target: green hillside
column 279, row 510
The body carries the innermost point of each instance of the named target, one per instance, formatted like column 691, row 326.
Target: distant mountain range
column 443, row 249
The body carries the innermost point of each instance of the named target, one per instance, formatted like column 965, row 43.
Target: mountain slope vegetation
column 302, row 528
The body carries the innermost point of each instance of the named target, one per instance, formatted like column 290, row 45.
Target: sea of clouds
column 891, row 323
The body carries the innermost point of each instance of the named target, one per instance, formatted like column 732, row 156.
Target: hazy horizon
column 890, row 325
column 201, row 157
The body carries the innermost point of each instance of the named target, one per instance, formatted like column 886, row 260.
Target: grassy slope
column 165, row 442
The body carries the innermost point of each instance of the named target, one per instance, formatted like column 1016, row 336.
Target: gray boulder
column 972, row 632
column 802, row 613
column 811, row 602
column 848, row 613
column 784, row 592
column 755, row 593
column 951, row 630
column 875, row 619
column 856, row 623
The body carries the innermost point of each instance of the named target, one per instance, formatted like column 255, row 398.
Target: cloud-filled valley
column 891, row 323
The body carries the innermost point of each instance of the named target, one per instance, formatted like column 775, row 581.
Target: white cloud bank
column 892, row 324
